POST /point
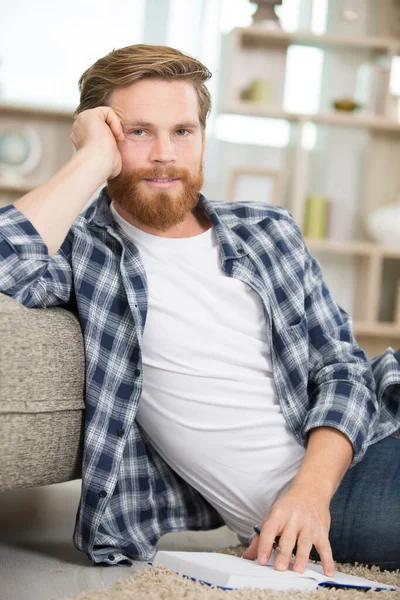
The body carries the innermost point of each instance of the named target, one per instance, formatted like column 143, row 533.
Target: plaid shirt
column 130, row 497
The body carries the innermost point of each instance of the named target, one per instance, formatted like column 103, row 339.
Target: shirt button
column 120, row 432
column 137, row 372
column 241, row 250
column 103, row 494
column 111, row 557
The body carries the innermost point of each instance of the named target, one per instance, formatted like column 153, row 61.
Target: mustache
column 159, row 173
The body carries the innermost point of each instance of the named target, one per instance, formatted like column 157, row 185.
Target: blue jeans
column 365, row 511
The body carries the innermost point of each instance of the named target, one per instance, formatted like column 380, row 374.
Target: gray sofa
column 42, row 384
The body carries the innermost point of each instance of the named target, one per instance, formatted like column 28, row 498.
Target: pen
column 275, row 546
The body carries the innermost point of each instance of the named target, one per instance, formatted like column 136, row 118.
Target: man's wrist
column 315, row 486
column 329, row 455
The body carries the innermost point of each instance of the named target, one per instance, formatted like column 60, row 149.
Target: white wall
column 46, row 45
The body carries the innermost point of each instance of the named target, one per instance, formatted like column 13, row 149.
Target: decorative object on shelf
column 255, row 184
column 350, row 11
column 397, row 305
column 353, row 16
column 316, row 217
column 265, row 14
column 383, row 224
column 370, row 86
column 259, row 90
column 20, row 152
column 345, row 104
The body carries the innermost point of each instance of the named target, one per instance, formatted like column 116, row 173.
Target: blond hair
column 127, row 65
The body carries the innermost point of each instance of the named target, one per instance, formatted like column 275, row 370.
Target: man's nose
column 163, row 150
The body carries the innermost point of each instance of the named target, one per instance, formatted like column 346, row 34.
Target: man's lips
column 162, row 182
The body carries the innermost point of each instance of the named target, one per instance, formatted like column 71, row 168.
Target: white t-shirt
column 209, row 405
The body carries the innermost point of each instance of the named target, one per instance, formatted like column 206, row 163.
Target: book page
column 235, row 572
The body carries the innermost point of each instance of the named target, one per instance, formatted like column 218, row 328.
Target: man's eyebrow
column 147, row 125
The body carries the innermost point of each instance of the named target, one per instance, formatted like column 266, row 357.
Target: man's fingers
column 265, row 544
column 115, row 125
column 304, row 546
column 287, row 543
column 325, row 553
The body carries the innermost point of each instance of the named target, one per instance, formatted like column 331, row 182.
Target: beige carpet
column 157, row 583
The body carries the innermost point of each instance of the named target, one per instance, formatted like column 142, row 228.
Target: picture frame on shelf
column 255, row 184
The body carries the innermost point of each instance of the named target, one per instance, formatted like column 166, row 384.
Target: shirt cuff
column 20, row 233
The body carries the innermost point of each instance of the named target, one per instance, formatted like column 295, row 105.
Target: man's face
column 162, row 155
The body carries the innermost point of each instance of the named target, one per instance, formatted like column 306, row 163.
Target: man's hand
column 300, row 516
column 98, row 130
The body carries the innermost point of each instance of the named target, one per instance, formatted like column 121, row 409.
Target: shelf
column 377, row 329
column 353, row 248
column 35, row 111
column 16, row 188
column 334, row 118
column 257, row 33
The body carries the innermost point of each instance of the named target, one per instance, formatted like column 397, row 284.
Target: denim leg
column 365, row 511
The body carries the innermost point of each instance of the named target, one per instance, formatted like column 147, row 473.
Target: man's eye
column 137, row 132
column 182, row 132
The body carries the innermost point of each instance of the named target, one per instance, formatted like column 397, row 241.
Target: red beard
column 158, row 209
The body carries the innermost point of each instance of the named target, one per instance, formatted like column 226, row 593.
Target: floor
column 38, row 560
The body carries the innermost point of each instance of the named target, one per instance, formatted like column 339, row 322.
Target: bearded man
column 223, row 383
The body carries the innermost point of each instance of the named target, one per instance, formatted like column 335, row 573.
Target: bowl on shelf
column 345, row 105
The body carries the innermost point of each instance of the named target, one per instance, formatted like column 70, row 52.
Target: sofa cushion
column 42, row 359
column 40, row 448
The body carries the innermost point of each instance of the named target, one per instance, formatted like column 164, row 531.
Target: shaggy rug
column 158, row 583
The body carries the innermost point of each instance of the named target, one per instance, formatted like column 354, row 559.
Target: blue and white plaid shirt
column 130, row 497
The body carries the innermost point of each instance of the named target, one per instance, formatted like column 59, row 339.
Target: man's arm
column 341, row 416
column 341, row 386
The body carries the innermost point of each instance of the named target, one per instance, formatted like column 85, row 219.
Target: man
column 223, row 383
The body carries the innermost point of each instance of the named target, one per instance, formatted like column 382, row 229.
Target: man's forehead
column 151, row 94
column 147, row 114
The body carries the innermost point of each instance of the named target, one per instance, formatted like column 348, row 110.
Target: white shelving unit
column 246, row 56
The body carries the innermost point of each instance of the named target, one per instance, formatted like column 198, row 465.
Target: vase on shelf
column 316, row 217
column 265, row 15
column 383, row 224
column 258, row 91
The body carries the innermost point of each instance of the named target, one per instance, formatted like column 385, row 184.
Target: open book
column 232, row 572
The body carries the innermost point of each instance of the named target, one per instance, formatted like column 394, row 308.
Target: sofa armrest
column 42, row 387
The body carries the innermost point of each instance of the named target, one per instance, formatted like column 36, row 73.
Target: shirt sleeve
column 27, row 272
column 341, row 386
